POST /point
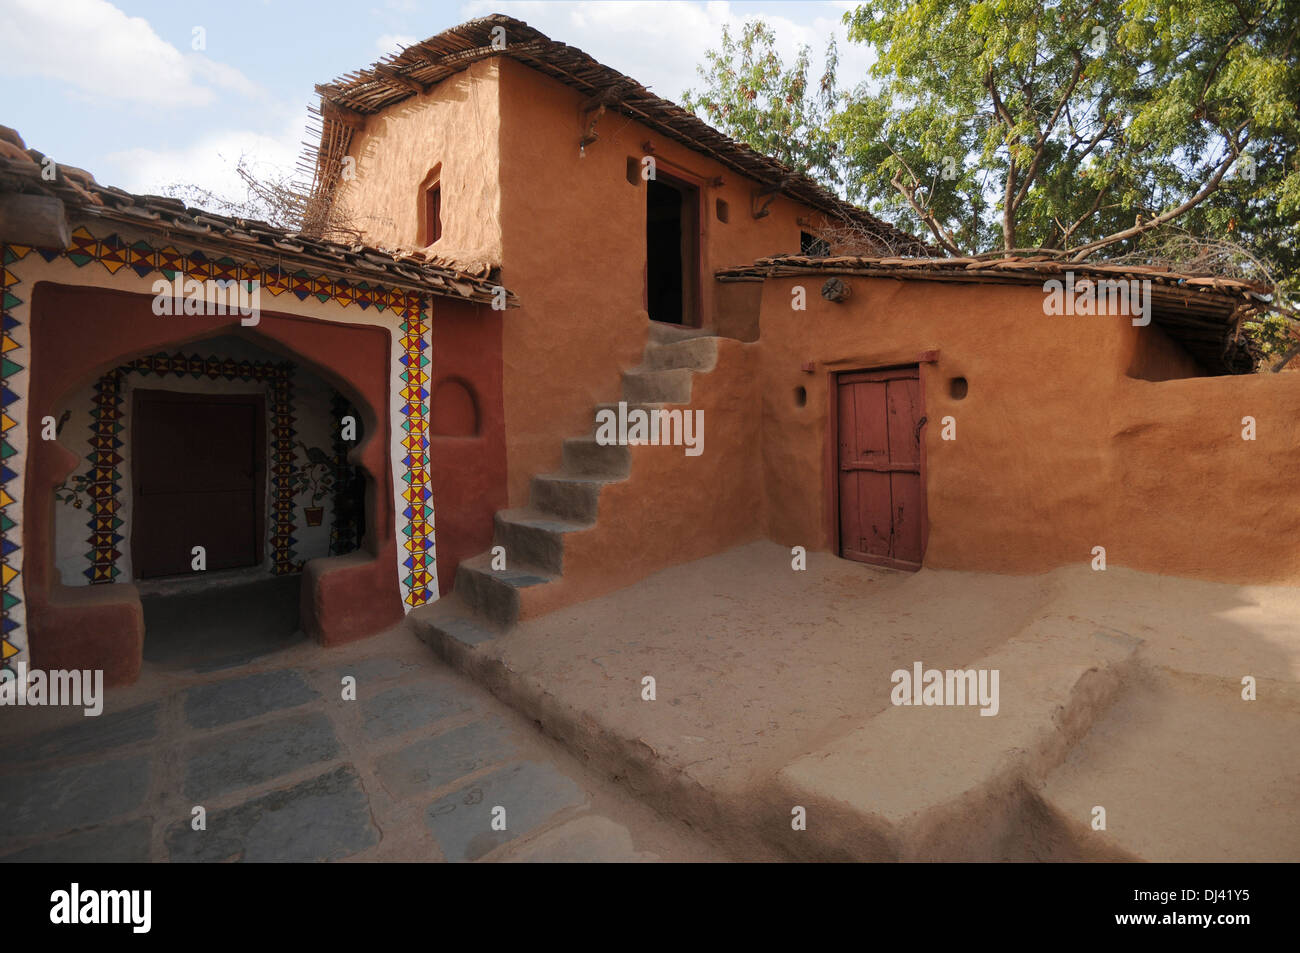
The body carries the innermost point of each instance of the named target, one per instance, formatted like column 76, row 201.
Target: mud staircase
column 486, row 601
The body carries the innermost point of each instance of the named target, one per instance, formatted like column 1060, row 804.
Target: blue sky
column 117, row 88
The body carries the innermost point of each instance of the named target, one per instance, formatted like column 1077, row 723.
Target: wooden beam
column 390, row 73
column 348, row 118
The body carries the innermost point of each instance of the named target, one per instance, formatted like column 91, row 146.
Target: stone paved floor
column 287, row 770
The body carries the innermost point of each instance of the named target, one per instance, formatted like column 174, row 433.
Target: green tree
column 752, row 96
column 1079, row 125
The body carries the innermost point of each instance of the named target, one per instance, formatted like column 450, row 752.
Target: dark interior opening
column 671, row 251
column 812, row 246
column 433, row 213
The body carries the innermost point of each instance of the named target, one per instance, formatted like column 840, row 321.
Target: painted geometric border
column 105, row 426
column 421, row 581
column 115, row 253
column 10, row 508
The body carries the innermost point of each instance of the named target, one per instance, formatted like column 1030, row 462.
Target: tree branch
column 1235, row 147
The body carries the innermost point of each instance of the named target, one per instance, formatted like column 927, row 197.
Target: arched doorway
column 95, row 348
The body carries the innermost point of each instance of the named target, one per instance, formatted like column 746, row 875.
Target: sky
column 149, row 94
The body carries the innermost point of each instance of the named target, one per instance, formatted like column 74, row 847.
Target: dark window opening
column 633, row 170
column 432, row 230
column 672, row 251
column 724, row 213
column 958, row 388
column 812, row 246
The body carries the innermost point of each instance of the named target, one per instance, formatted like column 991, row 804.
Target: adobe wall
column 1057, row 448
column 573, row 244
column 468, row 470
column 456, row 124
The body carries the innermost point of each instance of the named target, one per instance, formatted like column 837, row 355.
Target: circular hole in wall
column 957, row 387
column 800, row 396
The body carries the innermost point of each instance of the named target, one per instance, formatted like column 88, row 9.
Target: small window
column 724, row 213
column 430, row 213
column 812, row 246
column 633, row 170
column 433, row 213
column 958, row 388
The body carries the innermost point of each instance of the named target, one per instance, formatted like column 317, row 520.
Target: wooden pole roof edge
column 368, row 92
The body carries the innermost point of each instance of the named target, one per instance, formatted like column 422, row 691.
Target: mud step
column 696, row 354
column 534, row 538
column 658, row 387
column 583, row 456
column 574, row 497
column 1187, row 771
column 911, row 782
column 661, row 333
column 493, row 593
column 451, row 623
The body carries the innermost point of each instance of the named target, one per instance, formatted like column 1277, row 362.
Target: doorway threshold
column 203, row 581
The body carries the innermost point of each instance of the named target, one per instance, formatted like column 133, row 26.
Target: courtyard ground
column 1118, row 689
column 251, row 725
column 772, row 697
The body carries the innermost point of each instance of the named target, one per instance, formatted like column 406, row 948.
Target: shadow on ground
column 219, row 628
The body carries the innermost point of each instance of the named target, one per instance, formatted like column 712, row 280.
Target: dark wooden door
column 198, row 465
column 880, row 488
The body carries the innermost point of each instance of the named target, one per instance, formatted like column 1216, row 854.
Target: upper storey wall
column 455, row 125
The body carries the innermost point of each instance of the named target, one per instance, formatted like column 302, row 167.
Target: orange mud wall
column 455, row 125
column 574, row 250
column 1059, row 445
column 467, row 450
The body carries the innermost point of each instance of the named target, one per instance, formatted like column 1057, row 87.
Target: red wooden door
column 199, row 476
column 881, row 494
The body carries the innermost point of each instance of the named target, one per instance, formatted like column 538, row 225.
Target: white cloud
column 393, row 42
column 105, row 54
column 661, row 43
column 208, row 162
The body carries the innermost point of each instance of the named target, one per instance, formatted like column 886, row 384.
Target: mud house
column 542, row 240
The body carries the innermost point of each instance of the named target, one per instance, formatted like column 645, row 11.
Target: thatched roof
column 82, row 196
column 346, row 102
column 1202, row 312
